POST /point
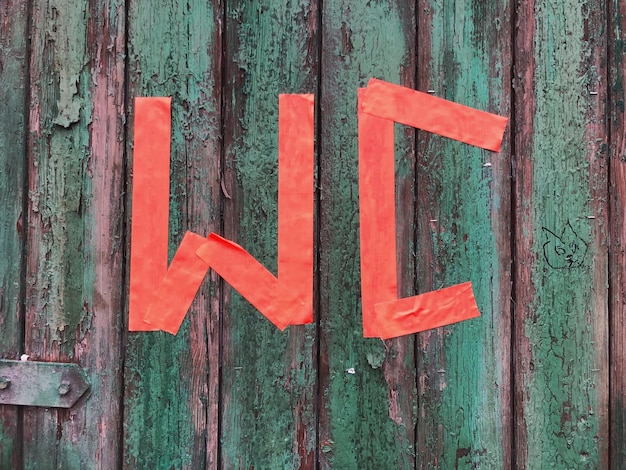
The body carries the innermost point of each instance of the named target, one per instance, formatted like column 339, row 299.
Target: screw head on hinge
column 5, row 383
column 64, row 388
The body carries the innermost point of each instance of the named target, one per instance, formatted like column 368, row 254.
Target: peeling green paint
column 60, row 188
column 13, row 119
column 72, row 314
column 270, row 401
column 463, row 368
column 158, row 429
column 359, row 425
column 564, row 401
column 8, row 448
column 12, row 146
column 269, row 376
column 168, row 417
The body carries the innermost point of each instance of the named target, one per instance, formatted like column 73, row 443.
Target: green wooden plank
column 269, row 376
column 617, row 256
column 172, row 382
column 561, row 338
column 13, row 80
column 75, row 214
column 367, row 385
column 463, row 214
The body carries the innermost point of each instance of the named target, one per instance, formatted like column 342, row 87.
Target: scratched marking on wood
column 269, row 376
column 561, row 343
column 367, row 385
column 463, row 213
column 13, row 119
column 75, row 214
column 171, row 382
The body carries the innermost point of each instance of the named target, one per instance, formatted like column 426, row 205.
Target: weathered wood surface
column 463, row 227
column 538, row 381
column 367, row 386
column 172, row 382
column 75, row 224
column 13, row 119
column 269, row 377
column 561, row 320
column 617, row 231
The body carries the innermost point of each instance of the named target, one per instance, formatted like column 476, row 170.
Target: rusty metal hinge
column 47, row 384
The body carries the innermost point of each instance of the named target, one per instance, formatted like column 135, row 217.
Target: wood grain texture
column 538, row 381
column 75, row 216
column 561, row 337
column 269, row 376
column 367, row 385
column 463, row 227
column 463, row 230
column 617, row 254
column 172, row 382
column 13, row 120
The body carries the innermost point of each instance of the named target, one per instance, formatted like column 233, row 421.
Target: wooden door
column 538, row 228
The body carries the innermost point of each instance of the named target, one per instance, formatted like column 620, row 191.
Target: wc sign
column 160, row 295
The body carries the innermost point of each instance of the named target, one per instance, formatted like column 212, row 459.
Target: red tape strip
column 425, row 311
column 179, row 286
column 255, row 283
column 150, row 206
column 296, row 170
column 423, row 111
column 380, row 105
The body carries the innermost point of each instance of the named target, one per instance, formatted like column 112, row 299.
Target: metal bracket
column 47, row 384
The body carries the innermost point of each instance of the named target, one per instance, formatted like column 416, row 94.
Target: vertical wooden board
column 464, row 224
column 561, row 338
column 269, row 376
column 75, row 219
column 172, row 382
column 13, row 119
column 367, row 385
column 617, row 255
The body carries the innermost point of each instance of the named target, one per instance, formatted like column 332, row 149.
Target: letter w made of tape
column 160, row 296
